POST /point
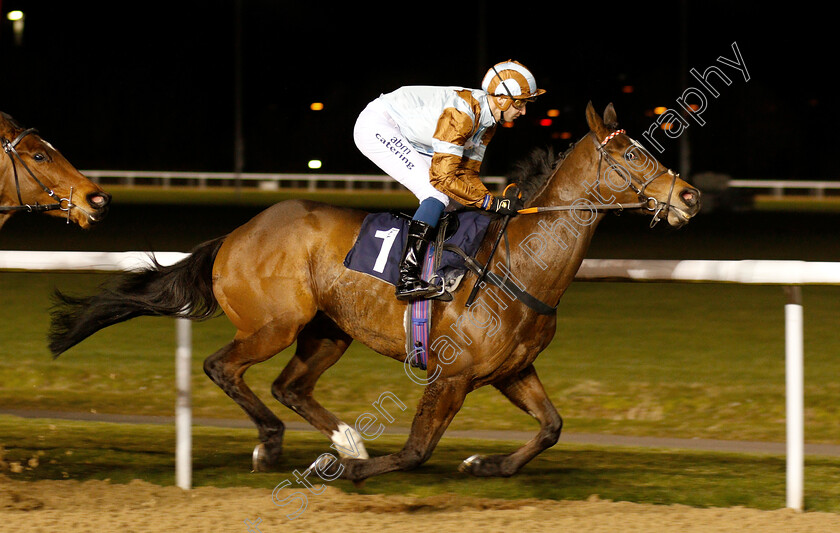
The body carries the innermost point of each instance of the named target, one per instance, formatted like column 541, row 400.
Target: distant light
column 627, row 89
column 659, row 110
column 314, row 164
column 545, row 122
column 693, row 107
column 316, row 106
column 15, row 15
column 666, row 126
column 507, row 124
column 553, row 113
column 566, row 135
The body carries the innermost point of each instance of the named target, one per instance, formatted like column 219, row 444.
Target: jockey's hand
column 506, row 206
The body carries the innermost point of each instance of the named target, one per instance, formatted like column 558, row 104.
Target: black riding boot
column 411, row 285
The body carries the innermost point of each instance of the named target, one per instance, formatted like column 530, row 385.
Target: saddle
column 377, row 252
column 381, row 239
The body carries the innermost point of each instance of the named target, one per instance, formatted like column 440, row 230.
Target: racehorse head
column 35, row 177
column 628, row 174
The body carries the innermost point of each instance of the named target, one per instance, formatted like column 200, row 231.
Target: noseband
column 63, row 204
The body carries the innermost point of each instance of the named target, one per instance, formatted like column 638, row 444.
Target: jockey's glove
column 505, row 206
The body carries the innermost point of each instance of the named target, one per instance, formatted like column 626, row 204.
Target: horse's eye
column 630, row 156
column 39, row 157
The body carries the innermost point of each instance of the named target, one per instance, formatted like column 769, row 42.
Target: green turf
column 706, row 362
column 57, row 449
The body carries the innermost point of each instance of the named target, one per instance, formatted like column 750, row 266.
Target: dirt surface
column 71, row 506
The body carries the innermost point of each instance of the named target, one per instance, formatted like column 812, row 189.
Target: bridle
column 659, row 209
column 62, row 204
column 646, row 202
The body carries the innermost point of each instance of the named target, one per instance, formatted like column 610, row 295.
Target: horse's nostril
column 690, row 197
column 98, row 200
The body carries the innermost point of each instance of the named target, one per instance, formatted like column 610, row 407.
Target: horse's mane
column 14, row 124
column 531, row 174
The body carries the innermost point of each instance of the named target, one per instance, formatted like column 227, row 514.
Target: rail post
column 794, row 397
column 183, row 404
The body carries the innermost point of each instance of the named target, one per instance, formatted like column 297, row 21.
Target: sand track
column 71, row 506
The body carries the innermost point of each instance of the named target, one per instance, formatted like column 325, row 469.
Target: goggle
column 520, row 103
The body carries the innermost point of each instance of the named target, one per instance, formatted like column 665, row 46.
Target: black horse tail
column 183, row 290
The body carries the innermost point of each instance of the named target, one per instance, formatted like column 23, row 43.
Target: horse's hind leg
column 226, row 368
column 526, row 392
column 320, row 344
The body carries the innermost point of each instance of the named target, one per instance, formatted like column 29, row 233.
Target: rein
column 62, row 204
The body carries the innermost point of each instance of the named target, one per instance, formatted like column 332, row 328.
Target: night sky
column 151, row 85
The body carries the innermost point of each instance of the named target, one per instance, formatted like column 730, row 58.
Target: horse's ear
column 609, row 117
column 593, row 119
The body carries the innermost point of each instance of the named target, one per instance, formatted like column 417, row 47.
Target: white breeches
column 380, row 139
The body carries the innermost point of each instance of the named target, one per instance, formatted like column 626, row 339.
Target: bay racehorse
column 280, row 278
column 36, row 178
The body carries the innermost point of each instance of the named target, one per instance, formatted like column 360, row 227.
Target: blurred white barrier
column 90, row 261
column 264, row 181
column 746, row 272
column 790, row 274
column 779, row 187
column 313, row 180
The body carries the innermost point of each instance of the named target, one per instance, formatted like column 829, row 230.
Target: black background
column 151, row 85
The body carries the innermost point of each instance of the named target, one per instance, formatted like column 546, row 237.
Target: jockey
column 432, row 140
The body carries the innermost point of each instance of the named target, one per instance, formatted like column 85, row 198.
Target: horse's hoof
column 260, row 461
column 267, row 455
column 257, row 458
column 470, row 464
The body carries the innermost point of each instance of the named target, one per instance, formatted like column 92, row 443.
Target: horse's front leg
column 526, row 392
column 441, row 401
